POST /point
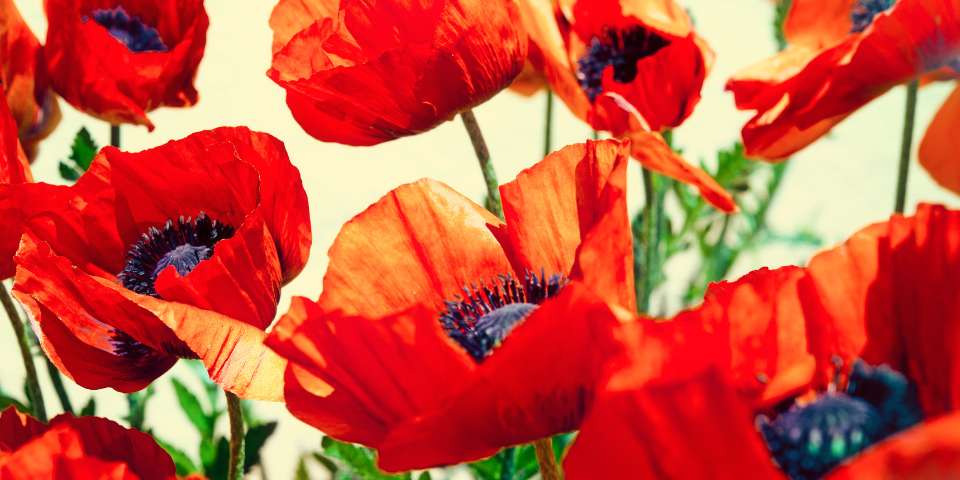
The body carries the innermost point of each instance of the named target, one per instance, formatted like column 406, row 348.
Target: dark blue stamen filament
column 129, row 30
column 182, row 244
column 809, row 440
column 864, row 12
column 482, row 318
column 620, row 50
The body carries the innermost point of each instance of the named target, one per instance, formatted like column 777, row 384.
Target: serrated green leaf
column 6, row 401
column 425, row 476
column 190, row 405
column 219, row 461
column 68, row 173
column 90, row 409
column 137, row 407
column 256, row 437
column 208, row 453
column 83, row 149
column 184, row 464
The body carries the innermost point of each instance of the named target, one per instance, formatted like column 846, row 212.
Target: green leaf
column 425, row 476
column 90, row 409
column 219, row 463
column 83, row 149
column 6, row 401
column 359, row 460
column 779, row 17
column 208, row 453
column 301, row 473
column 68, row 172
column 256, row 437
column 190, row 405
column 185, row 465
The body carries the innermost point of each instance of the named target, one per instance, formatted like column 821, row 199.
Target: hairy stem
column 33, row 383
column 486, row 166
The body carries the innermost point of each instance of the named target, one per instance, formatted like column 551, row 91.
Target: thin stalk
column 644, row 279
column 548, row 125
column 115, row 135
column 58, row 387
column 906, row 145
column 549, row 469
column 33, row 384
column 237, row 437
column 508, row 463
column 486, row 166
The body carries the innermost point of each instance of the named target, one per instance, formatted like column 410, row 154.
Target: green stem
column 33, row 384
column 906, row 145
column 644, row 278
column 508, row 463
column 486, row 166
column 548, row 125
column 58, row 387
column 115, row 135
column 237, row 437
column 549, row 469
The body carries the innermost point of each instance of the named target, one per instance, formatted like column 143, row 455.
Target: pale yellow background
column 837, row 185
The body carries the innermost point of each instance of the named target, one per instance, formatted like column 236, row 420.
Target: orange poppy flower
column 937, row 152
column 24, row 77
column 118, row 60
column 362, row 73
column 76, row 448
column 177, row 251
column 605, row 59
column 781, row 364
column 427, row 341
column 841, row 55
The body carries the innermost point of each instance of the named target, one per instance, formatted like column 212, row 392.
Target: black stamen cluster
column 620, row 49
column 485, row 315
column 865, row 10
column 809, row 440
column 129, row 30
column 182, row 244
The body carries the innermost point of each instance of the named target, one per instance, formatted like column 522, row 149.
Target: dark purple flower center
column 481, row 319
column 620, row 49
column 809, row 440
column 182, row 244
column 865, row 10
column 129, row 30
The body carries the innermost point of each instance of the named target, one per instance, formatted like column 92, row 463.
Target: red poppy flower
column 119, row 59
column 363, row 73
column 75, row 448
column 176, row 251
column 782, row 349
column 24, row 77
column 841, row 55
column 629, row 67
column 427, row 342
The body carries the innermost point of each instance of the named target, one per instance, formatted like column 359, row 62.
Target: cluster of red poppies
column 444, row 333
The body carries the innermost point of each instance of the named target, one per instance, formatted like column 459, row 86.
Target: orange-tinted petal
column 421, row 244
column 14, row 167
column 913, row 37
column 764, row 315
column 516, row 395
column 378, row 71
column 359, row 378
column 939, row 147
column 818, row 24
column 529, row 82
column 928, row 451
column 653, row 153
column 23, row 74
column 554, row 206
column 667, row 398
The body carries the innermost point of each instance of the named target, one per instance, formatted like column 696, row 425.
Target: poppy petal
column 120, row 85
column 421, row 244
column 17, row 428
column 653, row 153
column 940, row 142
column 514, row 397
column 764, row 315
column 554, row 206
column 818, row 24
column 378, row 71
column 912, row 37
column 653, row 407
column 388, row 366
